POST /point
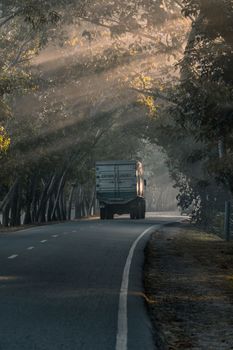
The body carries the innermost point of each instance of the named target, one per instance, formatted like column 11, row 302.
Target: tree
column 197, row 109
column 53, row 136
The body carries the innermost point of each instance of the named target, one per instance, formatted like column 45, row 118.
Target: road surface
column 75, row 285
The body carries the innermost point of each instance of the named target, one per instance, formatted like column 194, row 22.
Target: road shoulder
column 189, row 287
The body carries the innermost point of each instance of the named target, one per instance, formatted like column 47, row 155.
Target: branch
column 21, row 51
column 154, row 94
column 8, row 196
column 9, row 18
column 127, row 30
column 182, row 8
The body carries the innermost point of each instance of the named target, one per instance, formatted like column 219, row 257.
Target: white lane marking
column 74, row 231
column 44, row 240
column 13, row 256
column 30, row 248
column 54, row 236
column 122, row 326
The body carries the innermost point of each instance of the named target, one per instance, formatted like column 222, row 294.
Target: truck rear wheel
column 102, row 213
column 143, row 214
column 108, row 213
column 138, row 212
column 143, row 209
column 135, row 213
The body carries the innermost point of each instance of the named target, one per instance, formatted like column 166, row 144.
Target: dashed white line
column 74, row 231
column 122, row 327
column 13, row 256
column 54, row 236
column 30, row 248
column 44, row 240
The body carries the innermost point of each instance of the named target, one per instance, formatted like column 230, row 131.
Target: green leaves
column 4, row 140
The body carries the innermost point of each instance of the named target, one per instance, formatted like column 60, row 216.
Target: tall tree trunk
column 34, row 201
column 64, row 204
column 6, row 215
column 19, row 206
column 42, row 216
column 58, row 211
column 48, row 187
column 61, row 205
column 29, row 200
column 50, row 208
column 92, row 202
column 14, row 206
column 70, row 200
column 9, row 195
column 78, row 202
column 60, row 186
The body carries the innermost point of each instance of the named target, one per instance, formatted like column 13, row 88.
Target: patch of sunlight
column 8, row 278
column 201, row 236
column 194, row 298
column 144, row 296
column 188, row 279
column 81, row 292
column 229, row 279
column 164, row 299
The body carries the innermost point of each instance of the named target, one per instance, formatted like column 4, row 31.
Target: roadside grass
column 189, row 273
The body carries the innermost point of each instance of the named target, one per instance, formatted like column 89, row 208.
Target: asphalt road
column 66, row 286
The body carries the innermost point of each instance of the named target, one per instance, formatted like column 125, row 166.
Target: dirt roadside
column 12, row 229
column 189, row 288
column 5, row 230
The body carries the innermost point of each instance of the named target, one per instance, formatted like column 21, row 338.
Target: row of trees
column 75, row 79
column 195, row 126
column 61, row 117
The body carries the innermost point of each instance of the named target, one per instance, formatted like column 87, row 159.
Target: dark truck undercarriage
column 136, row 208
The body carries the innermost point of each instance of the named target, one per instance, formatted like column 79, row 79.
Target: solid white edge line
column 122, row 324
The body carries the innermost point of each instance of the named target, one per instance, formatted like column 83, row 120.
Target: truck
column 120, row 188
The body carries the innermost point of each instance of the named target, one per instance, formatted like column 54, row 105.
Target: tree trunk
column 14, row 206
column 64, row 204
column 58, row 210
column 92, row 202
column 34, row 203
column 29, row 200
column 56, row 202
column 42, row 216
column 19, row 206
column 9, row 195
column 50, row 208
column 48, row 187
column 6, row 215
column 70, row 202
column 61, row 205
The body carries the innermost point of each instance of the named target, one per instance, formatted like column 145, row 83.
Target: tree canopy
column 88, row 80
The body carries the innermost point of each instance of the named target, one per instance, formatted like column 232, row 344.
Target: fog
column 91, row 98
